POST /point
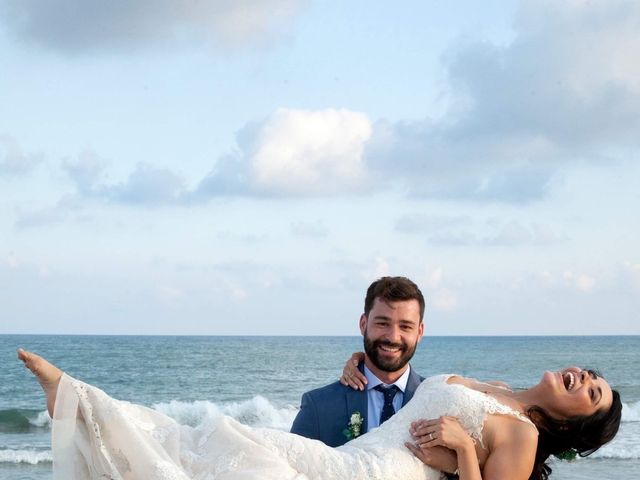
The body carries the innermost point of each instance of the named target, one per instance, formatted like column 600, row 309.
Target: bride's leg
column 48, row 375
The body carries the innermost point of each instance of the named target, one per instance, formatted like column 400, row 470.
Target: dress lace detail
column 97, row 437
column 472, row 407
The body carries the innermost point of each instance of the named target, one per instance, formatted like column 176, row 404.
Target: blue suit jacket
column 325, row 412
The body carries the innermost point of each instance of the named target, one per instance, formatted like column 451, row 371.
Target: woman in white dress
column 495, row 434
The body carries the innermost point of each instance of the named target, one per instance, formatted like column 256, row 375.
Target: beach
column 259, row 381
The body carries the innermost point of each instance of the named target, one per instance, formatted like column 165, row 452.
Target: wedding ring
column 431, row 436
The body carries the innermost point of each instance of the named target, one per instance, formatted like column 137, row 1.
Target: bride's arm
column 513, row 453
column 351, row 376
column 512, row 447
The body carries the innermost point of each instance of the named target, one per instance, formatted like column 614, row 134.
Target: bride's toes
column 48, row 375
column 29, row 360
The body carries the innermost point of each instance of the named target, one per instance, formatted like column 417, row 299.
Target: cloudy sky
column 250, row 166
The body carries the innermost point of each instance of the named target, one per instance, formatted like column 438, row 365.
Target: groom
column 392, row 328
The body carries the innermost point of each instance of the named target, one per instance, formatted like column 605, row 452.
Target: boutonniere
column 354, row 427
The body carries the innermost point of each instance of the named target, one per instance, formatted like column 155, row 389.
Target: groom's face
column 391, row 333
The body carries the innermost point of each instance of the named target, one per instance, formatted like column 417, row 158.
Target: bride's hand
column 351, row 376
column 443, row 431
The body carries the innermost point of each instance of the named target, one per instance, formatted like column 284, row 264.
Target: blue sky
column 249, row 167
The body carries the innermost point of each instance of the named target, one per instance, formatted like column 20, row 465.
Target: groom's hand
column 440, row 458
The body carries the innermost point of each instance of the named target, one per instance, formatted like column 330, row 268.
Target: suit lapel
column 412, row 383
column 357, row 401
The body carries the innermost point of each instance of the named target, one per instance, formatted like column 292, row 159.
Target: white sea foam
column 257, row 412
column 42, row 420
column 188, row 413
column 260, row 412
column 622, row 447
column 631, row 412
column 32, row 457
column 626, row 445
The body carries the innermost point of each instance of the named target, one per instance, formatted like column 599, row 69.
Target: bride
column 495, row 434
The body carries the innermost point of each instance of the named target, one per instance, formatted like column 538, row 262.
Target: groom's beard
column 386, row 365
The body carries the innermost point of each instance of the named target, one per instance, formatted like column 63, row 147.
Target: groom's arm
column 440, row 458
column 306, row 422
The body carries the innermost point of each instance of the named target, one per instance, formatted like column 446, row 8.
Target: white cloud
column 147, row 185
column 309, row 230
column 126, row 25
column 294, row 153
column 13, row 160
column 583, row 95
column 429, row 223
column 443, row 299
column 566, row 279
column 545, row 234
column 437, row 295
column 585, row 283
column 511, row 233
column 526, row 114
column 379, row 267
column 303, row 152
column 87, row 172
column 233, row 290
column 433, row 278
column 238, row 294
column 631, row 275
column 581, row 281
column 602, row 35
column 170, row 294
column 465, row 231
column 12, row 261
column 56, row 213
column 565, row 90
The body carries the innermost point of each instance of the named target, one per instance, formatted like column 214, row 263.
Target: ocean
column 259, row 381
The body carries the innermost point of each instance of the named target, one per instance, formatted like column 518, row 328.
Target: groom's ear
column 420, row 330
column 363, row 324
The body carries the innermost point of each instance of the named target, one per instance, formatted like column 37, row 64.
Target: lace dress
column 98, row 437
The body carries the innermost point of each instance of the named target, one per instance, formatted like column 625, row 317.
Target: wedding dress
column 98, row 437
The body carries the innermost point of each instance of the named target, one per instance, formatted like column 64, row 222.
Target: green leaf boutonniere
column 354, row 427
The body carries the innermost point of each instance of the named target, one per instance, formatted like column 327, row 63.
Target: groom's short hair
column 393, row 289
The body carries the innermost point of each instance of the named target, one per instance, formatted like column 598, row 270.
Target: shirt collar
column 373, row 381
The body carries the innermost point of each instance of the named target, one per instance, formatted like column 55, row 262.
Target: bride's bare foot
column 48, row 375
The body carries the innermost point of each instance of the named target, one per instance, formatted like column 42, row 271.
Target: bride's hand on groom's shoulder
column 351, row 376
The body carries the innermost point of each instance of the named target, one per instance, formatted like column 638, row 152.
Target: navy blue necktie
column 389, row 393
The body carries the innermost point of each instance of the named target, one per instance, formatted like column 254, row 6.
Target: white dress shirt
column 375, row 399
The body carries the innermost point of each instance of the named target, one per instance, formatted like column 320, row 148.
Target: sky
column 249, row 167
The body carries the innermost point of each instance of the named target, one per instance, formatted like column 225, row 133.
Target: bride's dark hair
column 582, row 434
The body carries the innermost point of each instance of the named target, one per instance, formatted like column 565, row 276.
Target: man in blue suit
column 392, row 328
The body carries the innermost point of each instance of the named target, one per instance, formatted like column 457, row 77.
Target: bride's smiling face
column 574, row 391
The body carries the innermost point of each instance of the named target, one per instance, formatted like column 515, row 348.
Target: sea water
column 259, row 381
